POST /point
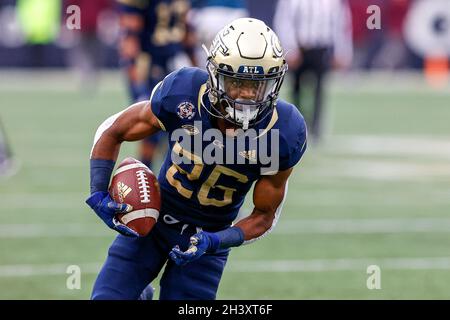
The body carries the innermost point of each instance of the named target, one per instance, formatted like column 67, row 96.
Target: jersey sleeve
column 180, row 87
column 295, row 142
column 158, row 102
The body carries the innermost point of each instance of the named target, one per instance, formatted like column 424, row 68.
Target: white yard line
column 362, row 226
column 31, row 270
column 313, row 265
column 284, row 227
column 397, row 157
column 322, row 198
column 344, row 264
column 70, row 230
column 389, row 170
column 44, row 200
column 391, row 145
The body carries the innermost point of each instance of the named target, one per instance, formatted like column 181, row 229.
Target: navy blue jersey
column 238, row 4
column 164, row 24
column 209, row 194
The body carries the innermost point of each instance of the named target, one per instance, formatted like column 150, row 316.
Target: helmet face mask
column 246, row 69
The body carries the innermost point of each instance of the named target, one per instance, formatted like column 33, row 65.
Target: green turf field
column 377, row 191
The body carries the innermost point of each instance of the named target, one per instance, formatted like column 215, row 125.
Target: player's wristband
column 231, row 237
column 100, row 174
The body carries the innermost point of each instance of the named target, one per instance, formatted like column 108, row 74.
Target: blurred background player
column 150, row 47
column 87, row 56
column 317, row 35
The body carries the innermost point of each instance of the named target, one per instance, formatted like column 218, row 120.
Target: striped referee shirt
column 315, row 24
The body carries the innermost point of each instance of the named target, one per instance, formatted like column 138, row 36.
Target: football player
column 150, row 47
column 238, row 94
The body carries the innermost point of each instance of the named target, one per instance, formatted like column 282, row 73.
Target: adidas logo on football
column 123, row 190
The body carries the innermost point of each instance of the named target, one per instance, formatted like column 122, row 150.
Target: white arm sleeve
column 105, row 126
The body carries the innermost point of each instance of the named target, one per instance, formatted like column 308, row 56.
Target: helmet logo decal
column 218, row 43
column 276, row 46
column 186, row 110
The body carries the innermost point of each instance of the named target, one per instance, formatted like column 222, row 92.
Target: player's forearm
column 133, row 123
column 103, row 158
column 105, row 150
column 248, row 228
column 268, row 196
column 107, row 147
column 256, row 224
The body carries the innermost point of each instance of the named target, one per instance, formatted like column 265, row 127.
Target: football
column 135, row 184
